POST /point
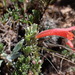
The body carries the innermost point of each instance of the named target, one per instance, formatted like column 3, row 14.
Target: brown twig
column 57, row 45
column 62, row 57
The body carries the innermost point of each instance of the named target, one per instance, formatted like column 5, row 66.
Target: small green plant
column 29, row 61
column 15, row 53
column 1, row 47
column 30, row 33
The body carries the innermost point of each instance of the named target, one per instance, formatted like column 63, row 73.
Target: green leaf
column 13, row 0
column 27, row 50
column 1, row 62
column 18, row 46
column 15, row 52
column 1, row 47
column 4, row 54
column 31, row 18
column 36, row 15
column 21, row 0
column 12, row 56
column 4, row 2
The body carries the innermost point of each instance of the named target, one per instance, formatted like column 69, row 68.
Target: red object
column 63, row 32
column 58, row 32
column 71, row 28
column 69, row 43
